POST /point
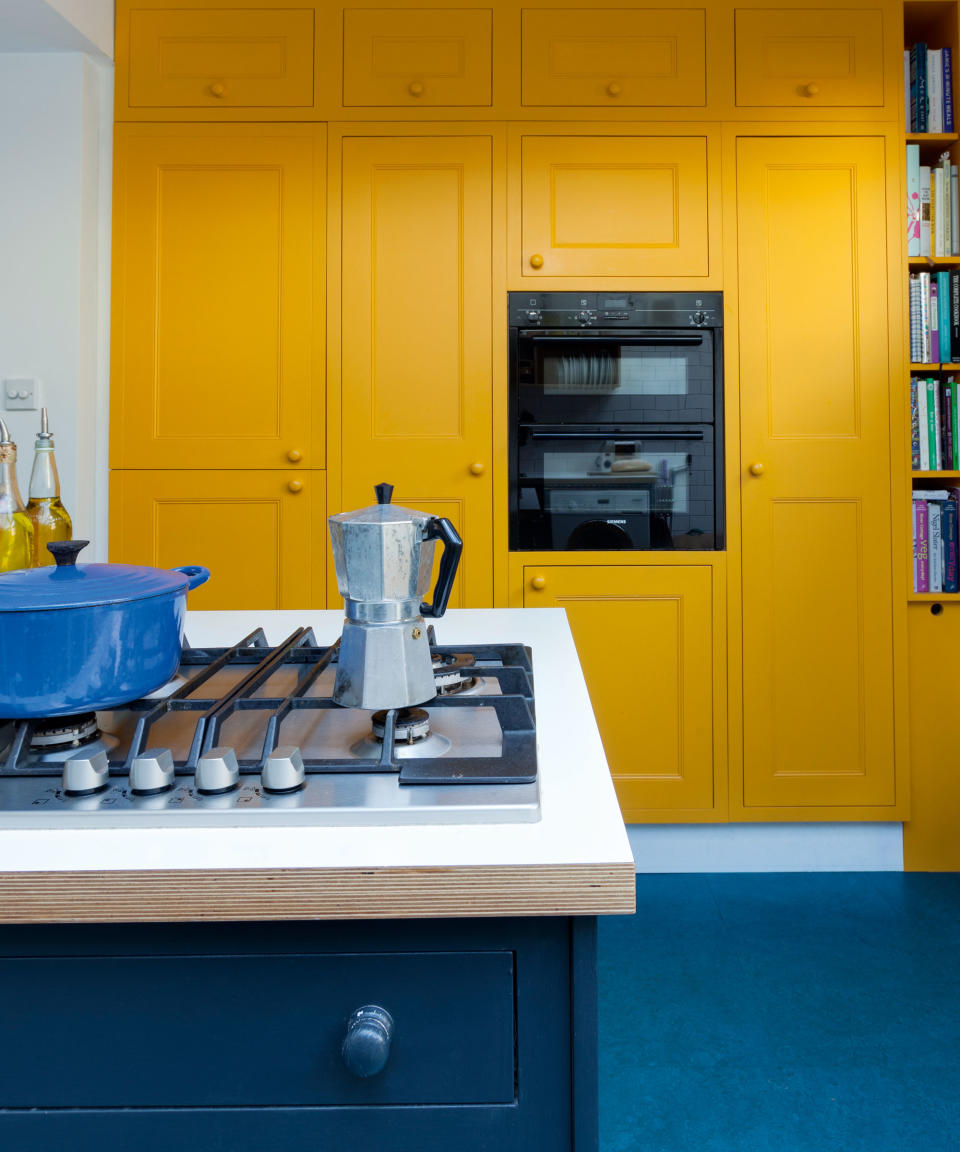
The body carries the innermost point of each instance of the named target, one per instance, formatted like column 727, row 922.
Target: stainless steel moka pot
column 384, row 557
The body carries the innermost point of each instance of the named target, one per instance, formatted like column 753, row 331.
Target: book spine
column 925, row 210
column 946, row 423
column 955, row 209
column 934, row 323
column 913, row 199
column 946, row 211
column 948, row 530
column 955, row 425
column 936, row 211
column 931, row 390
column 924, row 425
column 936, row 454
column 916, row 342
column 954, row 314
column 934, row 114
column 914, row 427
column 935, row 545
column 943, row 316
column 923, row 555
column 924, row 278
column 947, row 55
column 922, row 88
column 912, row 91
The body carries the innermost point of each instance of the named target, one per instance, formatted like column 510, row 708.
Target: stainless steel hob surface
column 250, row 736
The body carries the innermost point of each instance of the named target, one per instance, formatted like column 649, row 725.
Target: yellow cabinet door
column 261, row 534
column 216, row 299
column 818, row 700
column 416, row 57
column 614, row 57
column 809, row 58
column 217, row 59
column 614, row 206
column 645, row 640
column 416, row 335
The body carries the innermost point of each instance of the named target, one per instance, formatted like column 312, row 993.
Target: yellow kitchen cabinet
column 819, row 732
column 810, row 58
column 614, row 205
column 217, row 256
column 417, row 57
column 259, row 533
column 647, row 642
column 613, row 57
column 208, row 58
column 416, row 335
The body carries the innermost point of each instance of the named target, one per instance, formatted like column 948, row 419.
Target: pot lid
column 383, row 512
column 73, row 585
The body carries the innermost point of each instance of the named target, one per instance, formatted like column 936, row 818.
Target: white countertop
column 580, row 821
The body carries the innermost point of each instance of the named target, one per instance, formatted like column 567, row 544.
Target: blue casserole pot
column 81, row 637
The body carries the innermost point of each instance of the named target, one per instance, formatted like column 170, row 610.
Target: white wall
column 55, row 134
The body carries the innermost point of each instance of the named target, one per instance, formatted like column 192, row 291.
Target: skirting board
column 767, row 847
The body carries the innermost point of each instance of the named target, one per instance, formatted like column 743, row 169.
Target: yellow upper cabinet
column 613, row 57
column 609, row 205
column 809, row 57
column 417, row 57
column 218, row 58
column 217, row 256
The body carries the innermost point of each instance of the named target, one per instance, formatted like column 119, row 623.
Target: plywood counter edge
column 316, row 894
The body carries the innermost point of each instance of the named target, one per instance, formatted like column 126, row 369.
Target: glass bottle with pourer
column 16, row 531
column 49, row 518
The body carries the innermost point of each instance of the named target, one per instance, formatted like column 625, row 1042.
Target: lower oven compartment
column 618, row 489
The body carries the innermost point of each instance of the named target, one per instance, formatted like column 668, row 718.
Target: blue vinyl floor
column 782, row 1012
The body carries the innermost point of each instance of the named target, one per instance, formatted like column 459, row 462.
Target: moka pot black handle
column 440, row 528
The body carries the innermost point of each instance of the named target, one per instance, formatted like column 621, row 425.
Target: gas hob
column 250, row 736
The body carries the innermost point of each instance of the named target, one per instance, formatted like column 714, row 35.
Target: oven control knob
column 217, row 771
column 151, row 772
column 699, row 318
column 85, row 772
column 584, row 317
column 533, row 316
column 283, row 771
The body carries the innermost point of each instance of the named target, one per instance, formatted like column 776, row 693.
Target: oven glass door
column 651, row 488
column 612, row 377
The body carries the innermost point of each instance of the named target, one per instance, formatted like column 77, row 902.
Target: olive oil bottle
column 16, row 531
column 49, row 518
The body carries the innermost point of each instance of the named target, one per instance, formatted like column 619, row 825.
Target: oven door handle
column 575, row 336
column 618, row 434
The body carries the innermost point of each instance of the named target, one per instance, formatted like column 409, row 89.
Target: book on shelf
column 954, row 212
column 925, row 249
column 934, row 546
column 934, row 323
column 928, row 88
column 934, row 93
column 947, row 54
column 913, row 199
column 936, row 554
column 951, row 559
column 918, row 88
column 914, row 427
column 933, row 301
column 943, row 317
column 921, row 546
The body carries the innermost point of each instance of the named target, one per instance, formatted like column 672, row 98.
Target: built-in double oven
column 616, row 421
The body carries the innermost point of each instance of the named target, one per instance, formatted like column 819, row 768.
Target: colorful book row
column 934, row 425
column 936, row 563
column 934, row 317
column 933, row 206
column 928, row 88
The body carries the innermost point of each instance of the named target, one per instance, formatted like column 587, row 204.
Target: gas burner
column 413, row 725
column 448, row 673
column 64, row 732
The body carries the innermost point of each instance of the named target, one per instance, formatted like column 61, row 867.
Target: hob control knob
column 217, row 771
column 283, row 771
column 366, row 1046
column 151, row 772
column 85, row 772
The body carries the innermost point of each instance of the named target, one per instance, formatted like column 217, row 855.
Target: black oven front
column 616, row 429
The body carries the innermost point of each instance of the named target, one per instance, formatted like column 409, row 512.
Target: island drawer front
column 254, row 1031
column 232, row 58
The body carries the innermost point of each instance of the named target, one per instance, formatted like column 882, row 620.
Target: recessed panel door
column 416, row 335
column 815, row 473
column 217, row 246
column 644, row 636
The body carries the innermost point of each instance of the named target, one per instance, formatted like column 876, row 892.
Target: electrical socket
column 21, row 394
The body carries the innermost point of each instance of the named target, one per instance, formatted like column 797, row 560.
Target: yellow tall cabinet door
column 416, row 335
column 645, row 639
column 216, row 257
column 818, row 675
column 256, row 531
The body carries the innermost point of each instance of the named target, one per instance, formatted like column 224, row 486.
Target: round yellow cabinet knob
column 415, row 89
column 218, row 89
column 810, row 89
column 294, row 456
column 614, row 89
column 536, row 260
column 538, row 582
column 756, row 469
column 295, row 485
column 477, row 468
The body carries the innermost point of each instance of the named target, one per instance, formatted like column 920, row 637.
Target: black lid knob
column 384, row 493
column 65, row 552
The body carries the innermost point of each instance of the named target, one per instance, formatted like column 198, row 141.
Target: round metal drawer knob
column 294, row 456
column 415, row 89
column 366, row 1045
column 217, row 89
column 756, row 469
column 536, row 260
column 477, row 468
column 295, row 485
column 538, row 582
